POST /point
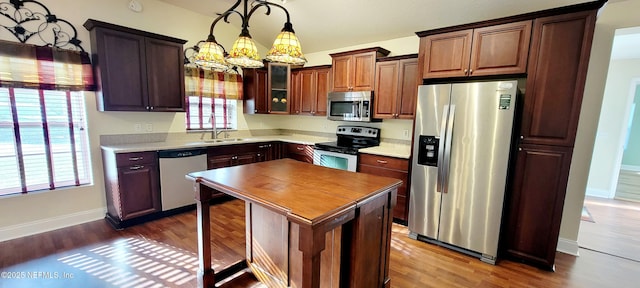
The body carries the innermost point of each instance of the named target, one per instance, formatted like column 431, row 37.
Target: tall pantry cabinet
column 556, row 76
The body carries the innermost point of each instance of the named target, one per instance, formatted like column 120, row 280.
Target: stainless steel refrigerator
column 462, row 143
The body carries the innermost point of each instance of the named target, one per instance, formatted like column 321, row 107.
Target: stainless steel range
column 343, row 153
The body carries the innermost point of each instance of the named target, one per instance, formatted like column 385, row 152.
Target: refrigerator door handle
column 447, row 149
column 441, row 148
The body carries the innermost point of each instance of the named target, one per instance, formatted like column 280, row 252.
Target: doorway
column 611, row 223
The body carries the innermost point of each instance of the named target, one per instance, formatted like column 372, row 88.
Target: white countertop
column 389, row 149
column 385, row 149
column 169, row 145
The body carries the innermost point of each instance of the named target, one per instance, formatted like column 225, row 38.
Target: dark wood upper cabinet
column 355, row 70
column 279, row 84
column 556, row 76
column 310, row 90
column 254, row 82
column 492, row 50
column 396, row 87
column 137, row 70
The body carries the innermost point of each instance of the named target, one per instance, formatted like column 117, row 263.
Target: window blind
column 43, row 140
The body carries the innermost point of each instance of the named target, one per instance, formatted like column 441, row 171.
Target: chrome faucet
column 214, row 129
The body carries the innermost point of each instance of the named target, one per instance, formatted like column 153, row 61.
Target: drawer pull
column 137, row 167
column 300, row 148
column 382, row 161
column 136, row 158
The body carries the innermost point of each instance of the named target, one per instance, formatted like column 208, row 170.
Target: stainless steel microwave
column 350, row 106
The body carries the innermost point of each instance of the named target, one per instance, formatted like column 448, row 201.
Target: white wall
column 616, row 15
column 607, row 153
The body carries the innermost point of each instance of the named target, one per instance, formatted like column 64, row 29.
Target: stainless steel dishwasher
column 175, row 190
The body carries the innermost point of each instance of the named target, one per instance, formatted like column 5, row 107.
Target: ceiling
column 331, row 24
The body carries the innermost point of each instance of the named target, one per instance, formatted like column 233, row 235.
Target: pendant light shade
column 211, row 55
column 286, row 48
column 245, row 53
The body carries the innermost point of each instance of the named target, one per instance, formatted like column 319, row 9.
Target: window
column 199, row 113
column 43, row 137
column 43, row 140
column 207, row 90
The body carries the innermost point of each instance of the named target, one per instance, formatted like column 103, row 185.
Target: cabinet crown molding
column 521, row 17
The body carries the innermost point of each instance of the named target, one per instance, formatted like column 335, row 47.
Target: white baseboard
column 39, row 226
column 568, row 247
column 598, row 193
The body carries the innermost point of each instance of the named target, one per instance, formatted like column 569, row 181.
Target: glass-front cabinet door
column 279, row 80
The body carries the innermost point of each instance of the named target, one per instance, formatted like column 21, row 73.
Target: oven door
column 335, row 160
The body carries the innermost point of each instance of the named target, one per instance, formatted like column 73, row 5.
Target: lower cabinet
column 132, row 185
column 540, row 180
column 240, row 154
column 300, row 152
column 390, row 167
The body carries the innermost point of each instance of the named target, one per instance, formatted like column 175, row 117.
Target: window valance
column 45, row 68
column 212, row 84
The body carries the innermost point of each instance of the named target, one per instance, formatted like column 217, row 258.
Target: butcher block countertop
column 305, row 192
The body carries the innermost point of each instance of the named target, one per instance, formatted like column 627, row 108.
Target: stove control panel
column 358, row 131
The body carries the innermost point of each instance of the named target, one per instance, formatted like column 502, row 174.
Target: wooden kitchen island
column 306, row 226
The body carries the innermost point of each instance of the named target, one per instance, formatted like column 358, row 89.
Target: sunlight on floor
column 119, row 263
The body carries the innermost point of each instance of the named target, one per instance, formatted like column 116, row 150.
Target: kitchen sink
column 223, row 140
column 213, row 141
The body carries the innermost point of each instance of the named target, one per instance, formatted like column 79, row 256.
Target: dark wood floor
column 615, row 230
column 162, row 253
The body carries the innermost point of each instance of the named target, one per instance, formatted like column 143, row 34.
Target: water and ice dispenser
column 428, row 150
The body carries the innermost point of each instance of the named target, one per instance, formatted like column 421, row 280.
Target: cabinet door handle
column 137, row 167
column 382, row 161
column 256, row 111
column 300, row 148
column 135, row 158
column 151, row 107
column 466, row 71
column 519, row 148
column 521, row 136
column 470, row 71
column 259, row 155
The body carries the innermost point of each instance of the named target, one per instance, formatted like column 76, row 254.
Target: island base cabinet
column 274, row 256
column 356, row 254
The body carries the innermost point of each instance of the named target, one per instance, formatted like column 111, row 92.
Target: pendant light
column 244, row 53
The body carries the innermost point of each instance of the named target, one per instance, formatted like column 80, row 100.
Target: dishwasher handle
column 180, row 153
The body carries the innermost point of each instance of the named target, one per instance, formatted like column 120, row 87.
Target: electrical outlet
column 405, row 133
column 137, row 127
column 148, row 127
